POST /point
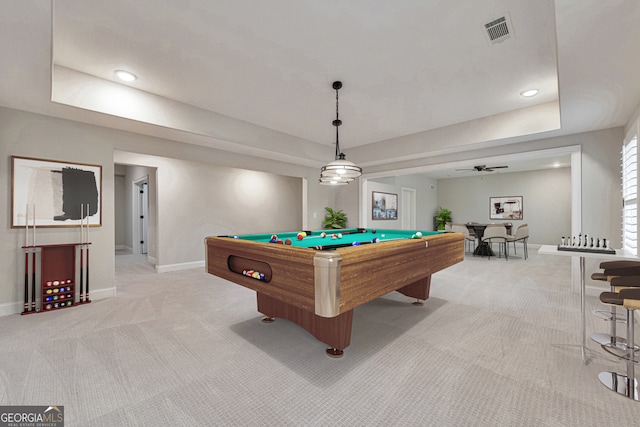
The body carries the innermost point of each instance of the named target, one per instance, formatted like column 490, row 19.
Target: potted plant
column 443, row 217
column 334, row 219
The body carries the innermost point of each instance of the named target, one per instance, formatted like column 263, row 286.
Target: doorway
column 408, row 201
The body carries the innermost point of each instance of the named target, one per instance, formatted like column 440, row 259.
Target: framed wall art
column 384, row 206
column 51, row 193
column 510, row 207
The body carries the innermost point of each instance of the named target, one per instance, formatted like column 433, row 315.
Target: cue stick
column 344, row 245
column 87, row 248
column 26, row 262
column 81, row 253
column 359, row 231
column 338, row 245
column 33, row 264
column 26, row 281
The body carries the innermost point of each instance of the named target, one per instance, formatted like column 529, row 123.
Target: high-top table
column 619, row 255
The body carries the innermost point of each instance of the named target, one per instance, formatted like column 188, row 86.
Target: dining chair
column 496, row 233
column 521, row 235
column 472, row 231
column 468, row 238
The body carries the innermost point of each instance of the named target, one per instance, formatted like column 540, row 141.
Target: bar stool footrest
column 605, row 339
column 624, row 353
column 606, row 316
column 618, row 383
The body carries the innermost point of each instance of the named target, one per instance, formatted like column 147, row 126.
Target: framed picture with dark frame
column 52, row 193
column 384, row 206
column 506, row 207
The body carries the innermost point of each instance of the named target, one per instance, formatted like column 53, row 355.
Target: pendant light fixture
column 340, row 171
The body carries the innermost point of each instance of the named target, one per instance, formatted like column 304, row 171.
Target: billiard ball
column 287, row 242
column 418, row 234
column 374, row 240
column 355, row 244
column 339, row 235
column 323, row 234
column 300, row 236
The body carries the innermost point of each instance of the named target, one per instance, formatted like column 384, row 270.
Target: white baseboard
column 177, row 267
column 10, row 308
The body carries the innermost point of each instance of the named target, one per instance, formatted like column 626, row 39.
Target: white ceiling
column 409, row 67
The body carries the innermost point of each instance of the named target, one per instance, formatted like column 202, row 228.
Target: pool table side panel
column 391, row 266
column 292, row 278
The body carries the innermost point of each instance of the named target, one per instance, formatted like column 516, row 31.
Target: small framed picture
column 510, row 207
column 384, row 206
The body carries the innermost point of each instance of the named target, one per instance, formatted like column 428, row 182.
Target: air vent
column 499, row 29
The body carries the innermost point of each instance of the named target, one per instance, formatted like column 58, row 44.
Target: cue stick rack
column 62, row 269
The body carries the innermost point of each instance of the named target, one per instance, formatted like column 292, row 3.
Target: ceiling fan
column 483, row 168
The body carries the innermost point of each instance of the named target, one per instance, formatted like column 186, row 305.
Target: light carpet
column 495, row 345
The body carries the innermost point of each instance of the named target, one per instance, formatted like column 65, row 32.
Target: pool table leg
column 418, row 290
column 334, row 331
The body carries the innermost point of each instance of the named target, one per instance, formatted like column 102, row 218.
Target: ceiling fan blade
column 491, row 169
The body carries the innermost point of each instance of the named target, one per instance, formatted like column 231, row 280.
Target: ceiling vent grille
column 499, row 29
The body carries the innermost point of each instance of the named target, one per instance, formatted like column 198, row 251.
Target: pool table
column 317, row 281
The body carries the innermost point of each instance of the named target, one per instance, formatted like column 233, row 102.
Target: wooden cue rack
column 63, row 270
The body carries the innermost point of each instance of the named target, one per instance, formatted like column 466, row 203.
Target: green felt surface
column 349, row 236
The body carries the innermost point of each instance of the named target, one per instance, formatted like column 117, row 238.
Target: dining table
column 484, row 248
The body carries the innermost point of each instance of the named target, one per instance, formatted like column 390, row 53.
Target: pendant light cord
column 337, row 124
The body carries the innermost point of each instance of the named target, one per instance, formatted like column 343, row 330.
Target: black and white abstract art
column 55, row 194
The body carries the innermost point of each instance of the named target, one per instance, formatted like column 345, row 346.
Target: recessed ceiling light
column 529, row 93
column 125, row 76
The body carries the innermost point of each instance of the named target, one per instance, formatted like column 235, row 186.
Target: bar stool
column 626, row 385
column 613, row 269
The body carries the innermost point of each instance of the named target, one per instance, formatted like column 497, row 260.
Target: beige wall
column 227, row 181
column 548, row 213
column 200, row 192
